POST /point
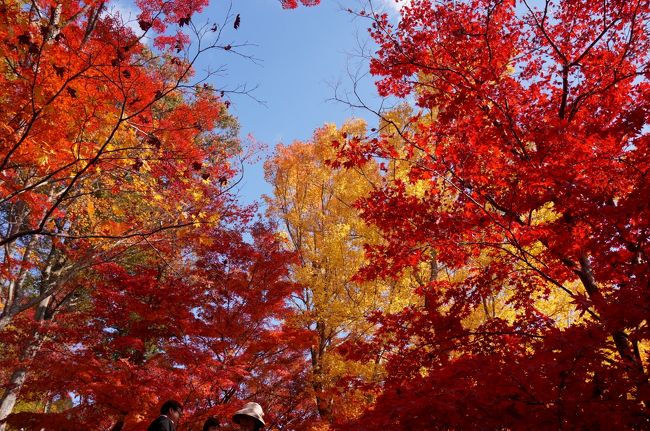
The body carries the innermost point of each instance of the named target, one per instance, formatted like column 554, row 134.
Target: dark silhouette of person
column 250, row 417
column 170, row 413
column 211, row 424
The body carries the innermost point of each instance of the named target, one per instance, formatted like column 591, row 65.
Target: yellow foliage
column 315, row 207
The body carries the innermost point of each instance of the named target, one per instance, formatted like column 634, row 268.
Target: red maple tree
column 206, row 330
column 531, row 137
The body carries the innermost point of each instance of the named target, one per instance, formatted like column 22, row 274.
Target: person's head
column 250, row 417
column 211, row 424
column 172, row 409
column 247, row 423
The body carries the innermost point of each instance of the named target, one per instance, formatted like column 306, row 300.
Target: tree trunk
column 51, row 277
column 624, row 346
column 323, row 403
column 11, row 394
column 18, row 377
column 119, row 425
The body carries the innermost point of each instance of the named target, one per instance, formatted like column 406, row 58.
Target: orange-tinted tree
column 114, row 167
column 537, row 160
column 90, row 111
column 99, row 135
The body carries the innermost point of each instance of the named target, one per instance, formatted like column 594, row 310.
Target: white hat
column 253, row 410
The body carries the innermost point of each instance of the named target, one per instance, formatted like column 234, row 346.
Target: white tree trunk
column 18, row 377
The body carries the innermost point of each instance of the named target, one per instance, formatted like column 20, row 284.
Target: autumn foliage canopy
column 528, row 143
column 477, row 259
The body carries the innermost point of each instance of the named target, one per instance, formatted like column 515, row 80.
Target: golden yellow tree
column 314, row 205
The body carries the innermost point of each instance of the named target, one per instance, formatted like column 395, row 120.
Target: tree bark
column 624, row 347
column 323, row 403
column 18, row 377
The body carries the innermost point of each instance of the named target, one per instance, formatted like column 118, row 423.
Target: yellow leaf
column 90, row 208
column 117, row 210
column 204, row 240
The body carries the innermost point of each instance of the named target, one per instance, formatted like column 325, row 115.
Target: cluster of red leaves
column 292, row 4
column 207, row 333
column 536, row 161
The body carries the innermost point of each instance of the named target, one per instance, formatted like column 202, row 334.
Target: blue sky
column 303, row 54
column 300, row 56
